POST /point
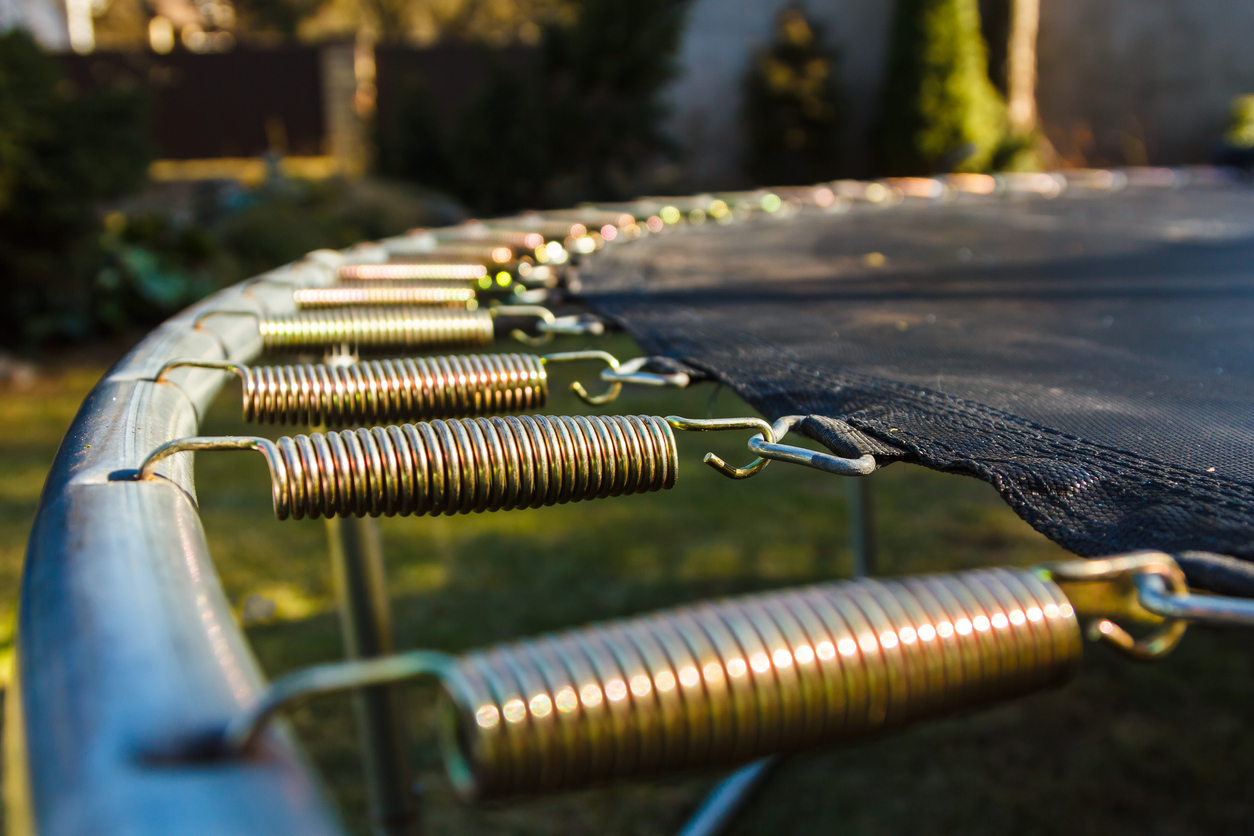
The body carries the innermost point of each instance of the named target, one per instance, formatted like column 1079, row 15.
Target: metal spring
column 381, row 391
column 377, row 327
column 470, row 465
column 363, row 294
column 514, row 232
column 726, row 682
column 458, row 271
column 431, row 250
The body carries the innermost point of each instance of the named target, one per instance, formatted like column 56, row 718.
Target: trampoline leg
column 861, row 526
column 727, row 799
column 366, row 623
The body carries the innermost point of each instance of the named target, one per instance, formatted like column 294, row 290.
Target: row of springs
column 708, row 684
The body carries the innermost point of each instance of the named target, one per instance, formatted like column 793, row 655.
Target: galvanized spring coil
column 726, row 682
column 382, row 391
column 473, row 464
column 409, row 327
column 383, row 294
column 457, row 271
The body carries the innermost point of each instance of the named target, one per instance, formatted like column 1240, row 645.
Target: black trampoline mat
column 1091, row 356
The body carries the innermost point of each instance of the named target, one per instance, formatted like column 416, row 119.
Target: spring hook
column 456, row 466
column 630, row 372
column 720, row 424
column 765, row 446
column 616, row 374
column 1109, row 588
column 723, row 682
column 548, row 324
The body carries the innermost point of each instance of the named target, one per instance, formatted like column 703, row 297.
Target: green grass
column 1123, row 749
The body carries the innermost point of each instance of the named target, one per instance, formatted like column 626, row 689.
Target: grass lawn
column 1162, row 749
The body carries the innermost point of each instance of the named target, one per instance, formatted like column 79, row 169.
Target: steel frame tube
column 123, row 628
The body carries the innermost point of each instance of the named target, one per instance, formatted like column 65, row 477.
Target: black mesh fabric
column 1091, row 356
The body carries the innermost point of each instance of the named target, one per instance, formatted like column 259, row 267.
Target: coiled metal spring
column 415, row 388
column 407, row 327
column 726, row 682
column 371, row 294
column 376, row 328
column 457, row 467
column 460, row 271
column 382, row 391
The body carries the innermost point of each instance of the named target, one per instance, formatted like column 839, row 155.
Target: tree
column 581, row 120
column 1021, row 116
column 940, row 110
column 792, row 107
column 62, row 151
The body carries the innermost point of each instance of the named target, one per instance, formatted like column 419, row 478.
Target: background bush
column 62, row 151
column 940, row 111
column 581, row 121
column 89, row 247
column 792, row 107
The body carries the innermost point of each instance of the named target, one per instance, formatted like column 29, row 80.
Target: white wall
column 1151, row 77
column 1154, row 73
column 720, row 42
column 44, row 19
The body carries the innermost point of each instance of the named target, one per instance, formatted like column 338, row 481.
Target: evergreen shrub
column 581, row 121
column 792, row 107
column 940, row 112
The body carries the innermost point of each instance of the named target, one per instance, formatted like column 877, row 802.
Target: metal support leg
column 861, row 526
column 366, row 621
column 727, row 799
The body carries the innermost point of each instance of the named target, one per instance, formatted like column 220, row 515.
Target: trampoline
column 1081, row 341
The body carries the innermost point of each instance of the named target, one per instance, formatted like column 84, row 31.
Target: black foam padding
column 1091, row 356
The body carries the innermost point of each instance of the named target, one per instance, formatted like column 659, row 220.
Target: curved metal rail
column 124, row 625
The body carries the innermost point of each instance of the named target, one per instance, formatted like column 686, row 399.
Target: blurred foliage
column 87, row 249
column 1240, row 132
column 149, row 269
column 582, row 121
column 792, row 107
column 62, row 151
column 1236, row 146
column 157, row 262
column 280, row 18
column 1018, row 152
column 940, row 111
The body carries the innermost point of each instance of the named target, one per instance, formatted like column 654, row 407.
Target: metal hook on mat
column 719, row 424
column 543, row 314
column 1154, row 595
column 616, row 374
column 765, row 445
column 548, row 325
column 1108, row 588
column 861, row 466
column 202, row 317
column 226, row 351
